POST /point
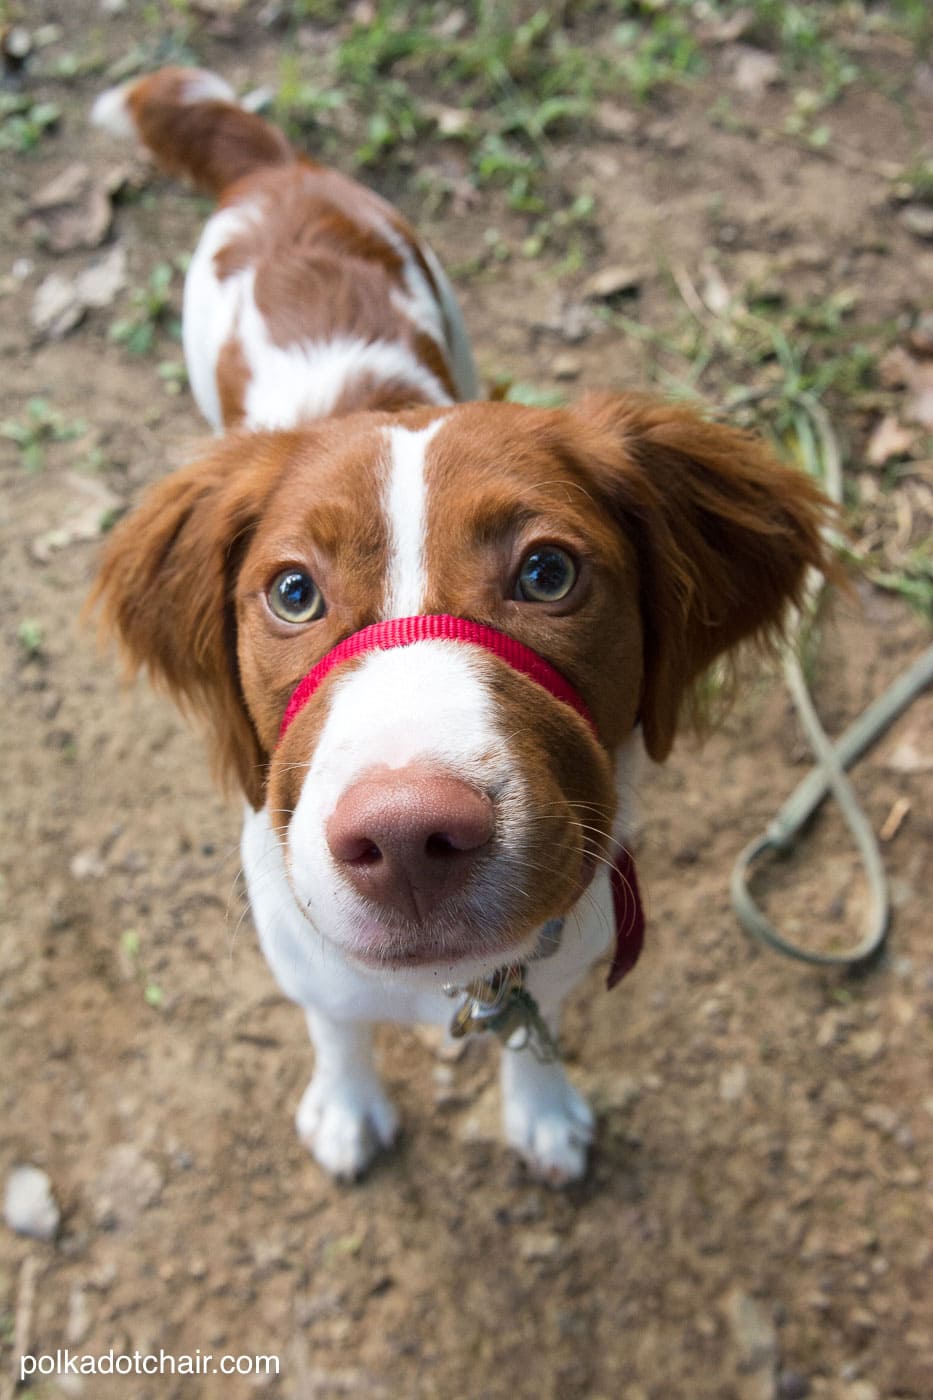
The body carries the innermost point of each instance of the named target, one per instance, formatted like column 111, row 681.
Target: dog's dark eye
column 295, row 597
column 547, row 575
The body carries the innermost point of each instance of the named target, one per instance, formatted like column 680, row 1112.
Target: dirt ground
column 757, row 1218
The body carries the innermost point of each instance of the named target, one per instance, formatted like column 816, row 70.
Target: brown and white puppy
column 432, row 813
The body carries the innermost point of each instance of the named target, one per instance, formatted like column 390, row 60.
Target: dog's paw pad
column 345, row 1125
column 552, row 1132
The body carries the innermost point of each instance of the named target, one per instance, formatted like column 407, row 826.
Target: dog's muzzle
column 406, row 631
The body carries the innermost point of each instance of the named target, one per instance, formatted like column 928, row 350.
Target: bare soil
column 757, row 1218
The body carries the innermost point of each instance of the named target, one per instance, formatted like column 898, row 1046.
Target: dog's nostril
column 369, row 855
column 440, row 845
column 360, row 852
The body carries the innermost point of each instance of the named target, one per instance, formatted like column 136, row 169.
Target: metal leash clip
column 501, row 1004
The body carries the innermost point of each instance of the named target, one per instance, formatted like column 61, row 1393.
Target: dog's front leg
column 344, row 1117
column 544, row 1117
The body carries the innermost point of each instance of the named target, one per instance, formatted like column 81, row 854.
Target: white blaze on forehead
column 405, row 504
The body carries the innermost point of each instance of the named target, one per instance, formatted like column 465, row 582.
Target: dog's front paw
column 344, row 1123
column 548, row 1123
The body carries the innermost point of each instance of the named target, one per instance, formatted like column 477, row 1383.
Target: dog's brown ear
column 724, row 534
column 166, row 584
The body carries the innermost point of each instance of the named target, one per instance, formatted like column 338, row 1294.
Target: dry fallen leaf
column 890, row 439
column 610, row 282
column 88, row 505
column 60, row 302
column 918, row 220
column 72, row 211
column 754, row 70
column 919, row 405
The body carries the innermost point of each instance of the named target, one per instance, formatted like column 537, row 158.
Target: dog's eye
column 295, row 597
column 547, row 574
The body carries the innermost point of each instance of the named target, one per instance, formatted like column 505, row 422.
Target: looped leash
column 828, row 775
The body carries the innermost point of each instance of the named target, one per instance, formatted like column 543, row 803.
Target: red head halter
column 406, row 631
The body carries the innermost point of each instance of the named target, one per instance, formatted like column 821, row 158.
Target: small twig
column 22, row 1322
column 895, row 819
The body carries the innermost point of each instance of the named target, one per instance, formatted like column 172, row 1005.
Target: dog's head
column 433, row 802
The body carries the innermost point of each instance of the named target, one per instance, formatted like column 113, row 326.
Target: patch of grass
column 780, row 373
column 24, row 122
column 152, row 310
column 131, row 948
column 30, row 636
column 41, row 425
column 658, row 52
column 389, row 84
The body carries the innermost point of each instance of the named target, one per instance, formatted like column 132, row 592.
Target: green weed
column 131, row 948
column 41, row 425
column 23, row 122
column 30, row 636
column 153, row 309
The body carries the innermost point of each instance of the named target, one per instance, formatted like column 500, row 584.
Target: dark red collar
column 406, row 631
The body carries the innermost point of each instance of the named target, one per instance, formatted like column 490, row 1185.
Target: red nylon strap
column 405, row 632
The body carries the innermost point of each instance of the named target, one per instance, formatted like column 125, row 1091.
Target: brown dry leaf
column 71, row 211
column 919, row 405
column 60, row 302
column 895, row 368
column 86, row 506
column 754, row 70
column 612, row 282
column 918, row 220
column 890, row 439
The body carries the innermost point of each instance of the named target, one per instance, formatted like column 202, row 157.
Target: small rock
column 566, row 367
column 752, row 1331
column 867, row 1045
column 87, row 865
column 881, row 1117
column 754, row 70
column 918, row 220
column 29, row 1207
column 827, row 1032
column 610, row 282
column 451, row 122
column 103, row 1277
column 732, row 1083
column 537, row 1245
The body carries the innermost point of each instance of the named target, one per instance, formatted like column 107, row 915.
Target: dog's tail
column 191, row 122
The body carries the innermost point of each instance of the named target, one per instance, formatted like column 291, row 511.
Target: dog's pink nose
column 409, row 838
